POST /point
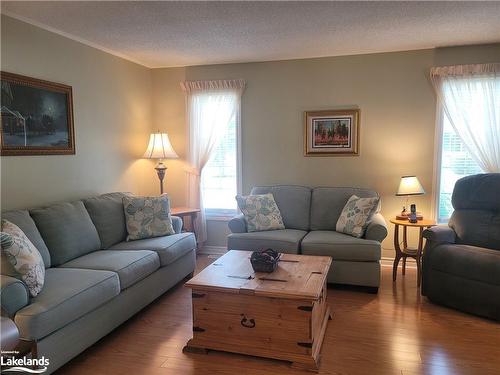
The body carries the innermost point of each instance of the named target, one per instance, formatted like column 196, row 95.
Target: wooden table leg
column 192, row 218
column 419, row 256
column 398, row 252
column 405, row 246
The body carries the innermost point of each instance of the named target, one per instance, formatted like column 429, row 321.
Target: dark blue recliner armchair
column 461, row 262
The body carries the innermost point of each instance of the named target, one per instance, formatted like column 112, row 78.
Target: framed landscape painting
column 36, row 117
column 331, row 133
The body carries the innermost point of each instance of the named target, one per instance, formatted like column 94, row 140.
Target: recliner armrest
column 440, row 234
column 177, row 224
column 238, row 224
column 14, row 295
column 376, row 229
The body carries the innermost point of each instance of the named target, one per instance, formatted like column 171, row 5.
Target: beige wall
column 397, row 120
column 112, row 116
column 117, row 104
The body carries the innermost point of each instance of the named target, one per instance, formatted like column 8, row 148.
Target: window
column 219, row 178
column 456, row 162
column 469, row 97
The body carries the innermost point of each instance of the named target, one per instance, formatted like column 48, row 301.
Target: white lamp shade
column 159, row 147
column 410, row 185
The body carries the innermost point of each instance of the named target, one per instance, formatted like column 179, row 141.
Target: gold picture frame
column 331, row 132
column 36, row 117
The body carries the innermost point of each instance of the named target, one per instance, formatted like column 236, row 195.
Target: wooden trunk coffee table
column 281, row 315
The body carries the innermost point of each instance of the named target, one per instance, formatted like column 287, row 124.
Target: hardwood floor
column 393, row 332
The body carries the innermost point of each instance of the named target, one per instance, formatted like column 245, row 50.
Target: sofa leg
column 372, row 289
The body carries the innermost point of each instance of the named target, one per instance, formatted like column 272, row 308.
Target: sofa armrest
column 14, row 294
column 440, row 234
column 238, row 224
column 177, row 224
column 376, row 229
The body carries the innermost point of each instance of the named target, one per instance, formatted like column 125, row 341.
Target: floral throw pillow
column 147, row 217
column 356, row 215
column 23, row 256
column 261, row 212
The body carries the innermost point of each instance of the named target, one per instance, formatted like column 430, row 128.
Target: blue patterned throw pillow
column 356, row 215
column 261, row 212
column 147, row 217
column 23, row 257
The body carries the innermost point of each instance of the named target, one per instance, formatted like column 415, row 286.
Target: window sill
column 218, row 217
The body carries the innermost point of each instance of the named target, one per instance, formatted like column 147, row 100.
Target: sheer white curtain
column 470, row 96
column 210, row 107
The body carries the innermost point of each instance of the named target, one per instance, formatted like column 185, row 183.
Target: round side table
column 409, row 252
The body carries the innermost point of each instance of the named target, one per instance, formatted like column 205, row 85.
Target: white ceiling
column 165, row 34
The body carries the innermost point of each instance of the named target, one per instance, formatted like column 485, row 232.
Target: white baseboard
column 212, row 250
column 221, row 250
column 388, row 262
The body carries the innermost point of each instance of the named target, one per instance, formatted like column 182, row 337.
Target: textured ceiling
column 164, row 34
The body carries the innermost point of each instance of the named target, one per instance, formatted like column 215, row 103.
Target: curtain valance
column 213, row 85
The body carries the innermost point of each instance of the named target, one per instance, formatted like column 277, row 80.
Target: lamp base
column 160, row 170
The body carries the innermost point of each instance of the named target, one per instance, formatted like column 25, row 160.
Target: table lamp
column 160, row 148
column 409, row 185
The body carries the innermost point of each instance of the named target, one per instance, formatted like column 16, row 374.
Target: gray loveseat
column 94, row 279
column 461, row 263
column 310, row 216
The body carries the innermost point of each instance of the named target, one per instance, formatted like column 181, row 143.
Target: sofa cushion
column 67, row 230
column 477, row 192
column 468, row 262
column 169, row 248
column 68, row 294
column 340, row 246
column 283, row 241
column 294, row 203
column 131, row 266
column 477, row 227
column 106, row 212
column 23, row 220
column 328, row 202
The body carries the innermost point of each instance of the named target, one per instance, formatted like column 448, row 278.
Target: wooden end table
column 184, row 212
column 406, row 251
column 281, row 315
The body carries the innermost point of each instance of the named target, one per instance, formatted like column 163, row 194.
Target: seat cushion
column 169, row 248
column 131, row 266
column 67, row 230
column 328, row 202
column 469, row 262
column 284, row 241
column 294, row 203
column 106, row 212
column 23, row 220
column 340, row 246
column 67, row 295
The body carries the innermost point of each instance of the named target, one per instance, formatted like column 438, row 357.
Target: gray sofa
column 461, row 263
column 94, row 279
column 310, row 216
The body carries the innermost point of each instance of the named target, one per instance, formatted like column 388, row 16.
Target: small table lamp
column 160, row 148
column 409, row 185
